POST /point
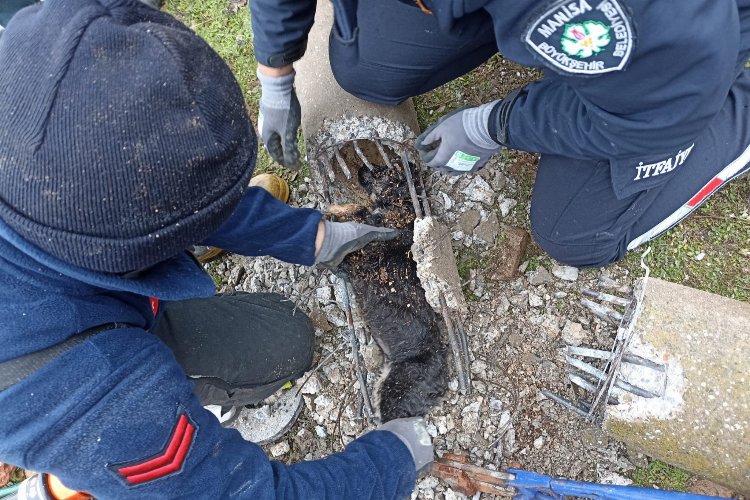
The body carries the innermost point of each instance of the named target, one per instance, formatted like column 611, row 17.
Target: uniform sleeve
column 263, row 225
column 677, row 80
column 280, row 29
column 116, row 417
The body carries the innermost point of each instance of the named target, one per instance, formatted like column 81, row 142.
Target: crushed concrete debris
column 566, row 273
column 514, row 331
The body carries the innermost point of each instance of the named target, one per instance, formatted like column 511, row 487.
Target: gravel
column 515, row 330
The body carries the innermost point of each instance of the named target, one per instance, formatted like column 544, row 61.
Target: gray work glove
column 343, row 238
column 413, row 433
column 279, row 118
column 459, row 142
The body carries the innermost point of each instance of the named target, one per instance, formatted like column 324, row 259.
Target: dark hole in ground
column 386, row 286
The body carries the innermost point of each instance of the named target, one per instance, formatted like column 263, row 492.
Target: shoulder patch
column 164, row 463
column 582, row 37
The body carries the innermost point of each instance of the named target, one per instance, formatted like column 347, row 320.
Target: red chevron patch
column 167, row 462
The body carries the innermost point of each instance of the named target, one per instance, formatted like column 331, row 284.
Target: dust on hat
column 124, row 137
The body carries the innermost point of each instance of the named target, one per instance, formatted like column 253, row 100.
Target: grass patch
column 662, row 476
column 710, row 250
column 466, row 262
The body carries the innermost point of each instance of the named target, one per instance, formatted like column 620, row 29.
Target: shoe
column 274, row 184
column 206, row 254
column 270, row 421
column 224, row 414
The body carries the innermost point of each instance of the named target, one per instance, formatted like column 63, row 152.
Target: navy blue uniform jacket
column 116, row 415
column 640, row 103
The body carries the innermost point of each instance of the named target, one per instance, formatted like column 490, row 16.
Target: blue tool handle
column 531, row 486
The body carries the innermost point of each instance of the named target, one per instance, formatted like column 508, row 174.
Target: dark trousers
column 237, row 348
column 387, row 51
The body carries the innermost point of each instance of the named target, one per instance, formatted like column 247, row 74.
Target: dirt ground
column 516, row 330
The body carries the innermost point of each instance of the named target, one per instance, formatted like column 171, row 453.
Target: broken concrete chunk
column 506, row 205
column 511, row 247
column 280, row 449
column 539, row 277
column 487, row 230
column 436, row 265
column 479, row 190
column 565, row 273
column 468, row 221
column 573, row 333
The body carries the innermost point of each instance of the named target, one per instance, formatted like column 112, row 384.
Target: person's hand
column 413, row 433
column 459, row 142
column 279, row 118
column 342, row 238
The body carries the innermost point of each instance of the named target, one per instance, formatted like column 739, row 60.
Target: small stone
column 321, row 431
column 506, row 205
column 503, row 306
column 560, row 295
column 496, row 404
column 333, row 372
column 280, row 449
column 470, row 423
column 519, row 299
column 468, row 221
column 614, row 479
column 324, row 294
column 565, row 273
column 515, row 339
column 471, row 408
column 535, row 300
column 539, row 442
column 236, row 275
column 312, row 385
column 447, row 201
column 322, row 404
column 573, row 333
column 487, row 230
column 479, row 190
column 453, row 385
column 372, row 356
column 700, row 256
column 539, row 277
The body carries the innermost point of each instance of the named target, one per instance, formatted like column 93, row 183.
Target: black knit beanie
column 123, row 137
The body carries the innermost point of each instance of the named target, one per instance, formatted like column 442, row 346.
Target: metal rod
column 588, row 386
column 602, row 312
column 425, row 198
column 362, row 156
column 462, row 379
column 627, row 358
column 606, row 297
column 464, row 344
column 600, row 375
column 382, row 153
column 361, row 378
column 625, row 332
column 342, row 163
column 567, row 404
column 410, row 183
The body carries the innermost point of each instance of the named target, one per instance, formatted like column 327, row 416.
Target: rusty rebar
column 354, row 343
column 362, row 156
column 463, row 380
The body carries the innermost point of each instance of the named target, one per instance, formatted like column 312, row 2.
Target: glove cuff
column 475, row 121
column 336, row 234
column 276, row 91
column 500, row 115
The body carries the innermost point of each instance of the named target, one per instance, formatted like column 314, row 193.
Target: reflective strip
column 706, row 191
